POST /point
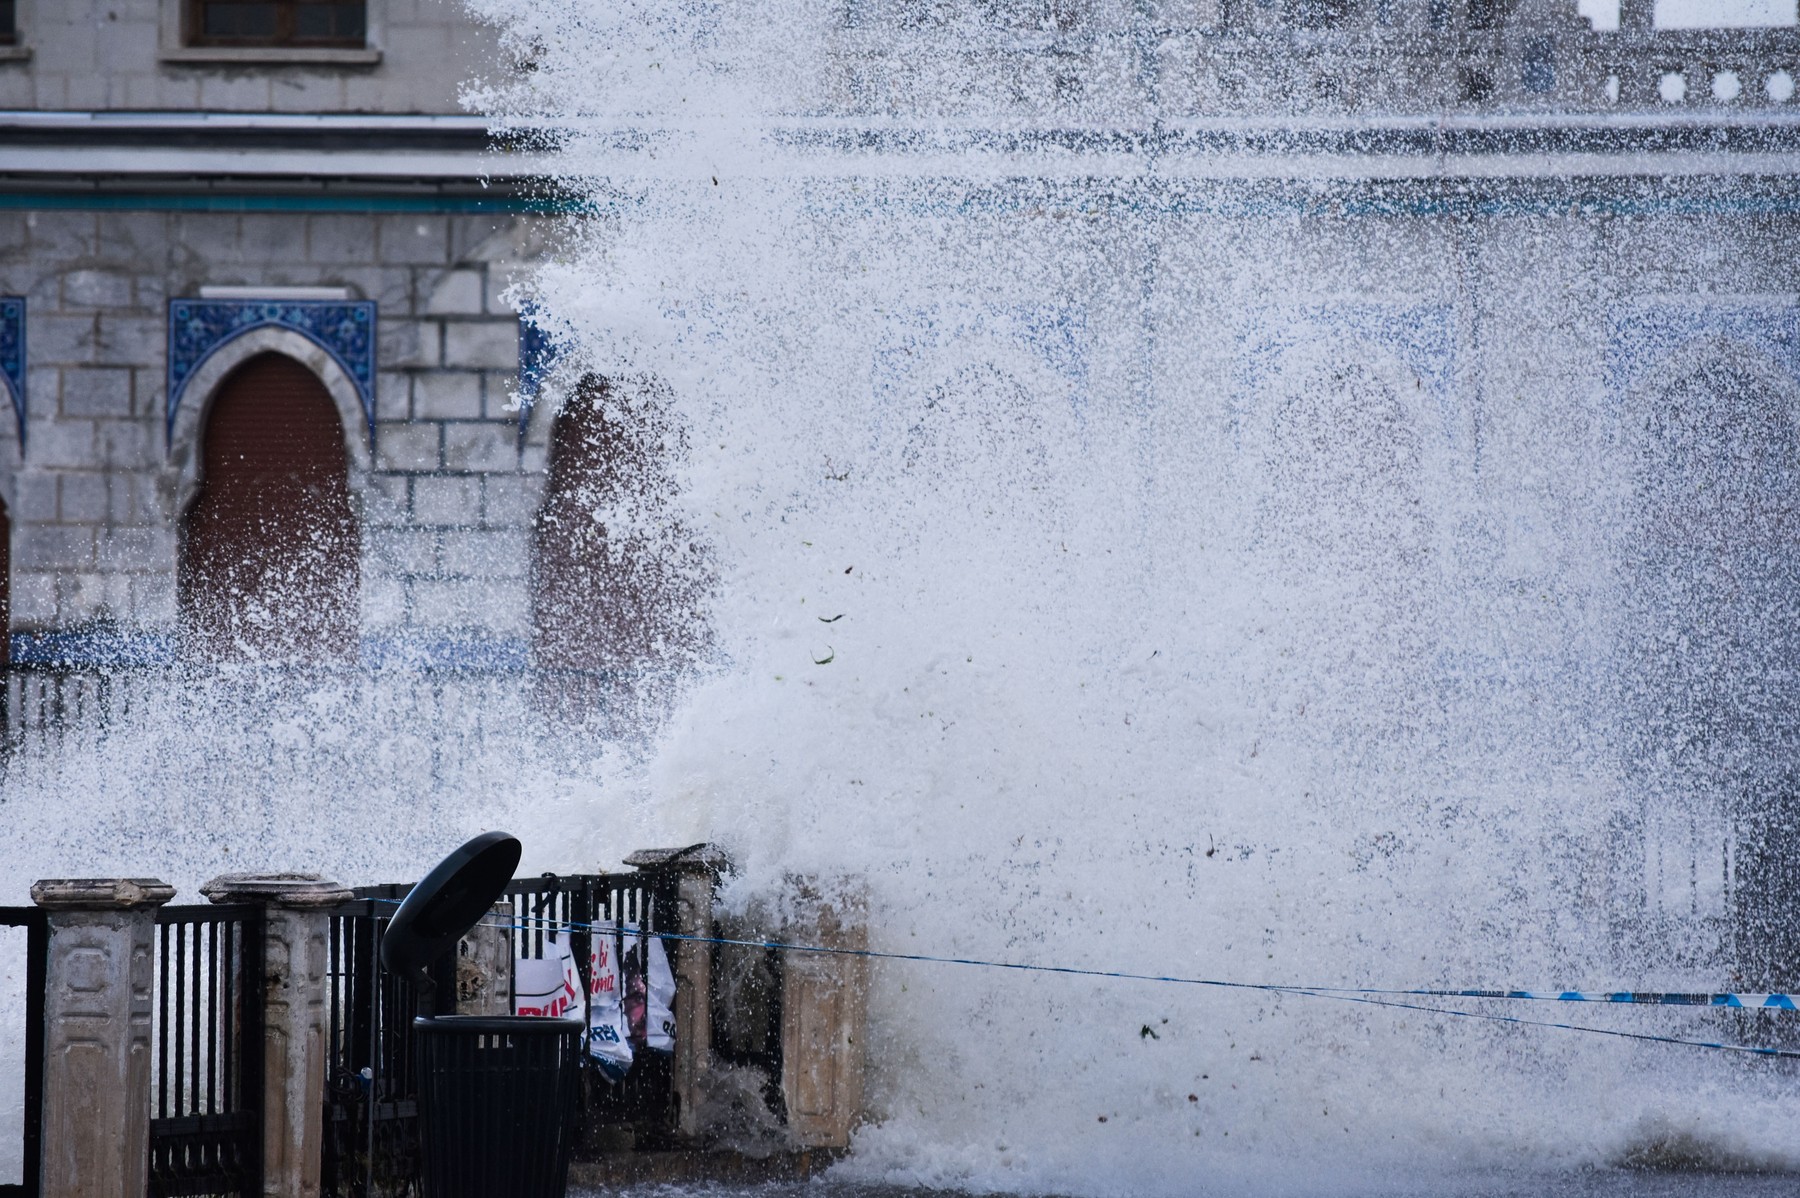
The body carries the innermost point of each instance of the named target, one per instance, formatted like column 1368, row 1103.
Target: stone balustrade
column 101, row 999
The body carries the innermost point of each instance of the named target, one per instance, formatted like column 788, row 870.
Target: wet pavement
column 1595, row 1183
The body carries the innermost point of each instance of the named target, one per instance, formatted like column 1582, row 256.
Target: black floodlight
column 449, row 901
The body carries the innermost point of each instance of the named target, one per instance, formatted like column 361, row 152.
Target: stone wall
column 1215, row 57
column 97, row 497
column 129, row 54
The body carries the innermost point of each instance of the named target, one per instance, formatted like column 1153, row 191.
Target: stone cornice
column 100, row 894
column 194, row 152
column 280, row 890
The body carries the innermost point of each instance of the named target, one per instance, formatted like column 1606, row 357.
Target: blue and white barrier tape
column 1660, row 998
column 1366, row 995
column 1647, row 1037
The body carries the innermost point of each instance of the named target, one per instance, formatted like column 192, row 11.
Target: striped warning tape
column 1663, row 998
column 1368, row 995
column 1660, row 998
column 1756, row 1050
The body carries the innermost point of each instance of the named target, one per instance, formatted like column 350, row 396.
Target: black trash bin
column 496, row 1104
column 496, row 1092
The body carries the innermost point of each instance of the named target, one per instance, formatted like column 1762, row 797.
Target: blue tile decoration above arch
column 345, row 329
column 1646, row 334
column 539, row 352
column 1423, row 336
column 1048, row 340
column 12, row 356
column 1052, row 337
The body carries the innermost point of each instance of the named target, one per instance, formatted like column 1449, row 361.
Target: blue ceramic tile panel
column 345, row 329
column 12, row 355
column 538, row 355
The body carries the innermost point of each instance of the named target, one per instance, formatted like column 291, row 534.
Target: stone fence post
column 98, row 1005
column 824, row 1004
column 484, row 965
column 697, row 872
column 296, row 958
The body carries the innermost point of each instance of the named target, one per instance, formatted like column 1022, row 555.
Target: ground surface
column 1609, row 1183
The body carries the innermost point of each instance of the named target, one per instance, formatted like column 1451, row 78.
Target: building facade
column 189, row 185
column 192, row 187
column 269, row 397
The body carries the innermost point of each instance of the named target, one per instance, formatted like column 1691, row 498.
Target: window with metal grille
column 1321, row 14
column 274, row 22
column 9, row 22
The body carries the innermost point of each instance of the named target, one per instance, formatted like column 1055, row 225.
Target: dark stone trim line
column 1417, row 139
column 320, row 200
column 187, row 137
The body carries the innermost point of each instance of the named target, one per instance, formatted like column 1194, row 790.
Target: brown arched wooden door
column 269, row 564
column 617, row 586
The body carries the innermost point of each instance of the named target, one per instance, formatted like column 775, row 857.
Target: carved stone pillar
column 296, row 955
column 98, row 1005
column 824, row 1012
column 698, row 869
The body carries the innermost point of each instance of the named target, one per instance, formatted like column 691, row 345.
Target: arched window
column 269, row 564
column 1711, row 631
column 1347, row 474
column 617, row 585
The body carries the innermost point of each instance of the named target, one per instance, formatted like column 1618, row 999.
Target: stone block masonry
column 490, row 344
column 447, row 395
column 105, row 992
column 97, row 501
column 121, row 58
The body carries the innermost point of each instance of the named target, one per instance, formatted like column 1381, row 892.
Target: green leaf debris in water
column 830, row 656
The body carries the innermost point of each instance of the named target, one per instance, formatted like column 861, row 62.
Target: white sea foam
column 1118, row 580
column 1176, row 624
column 1111, row 576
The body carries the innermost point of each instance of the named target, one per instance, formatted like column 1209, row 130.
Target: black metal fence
column 371, row 1118
column 643, row 1102
column 206, row 1128
column 460, row 715
column 43, row 704
column 31, row 936
column 371, row 1098
column 39, row 703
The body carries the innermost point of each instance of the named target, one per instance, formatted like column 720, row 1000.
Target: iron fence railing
column 39, row 703
column 371, row 1145
column 443, row 720
column 207, row 1033
column 34, row 941
column 643, row 1102
column 206, row 1126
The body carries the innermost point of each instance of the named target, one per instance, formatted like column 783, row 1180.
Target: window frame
column 194, row 36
